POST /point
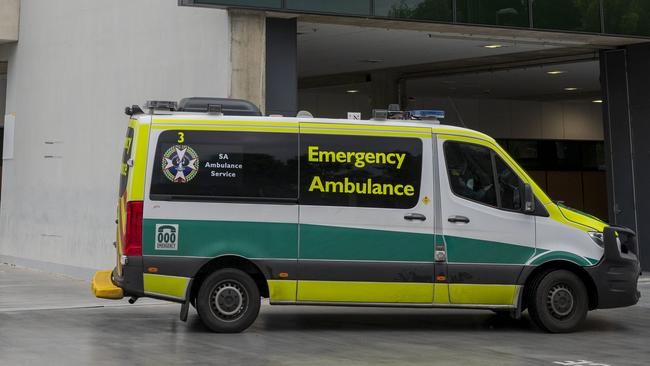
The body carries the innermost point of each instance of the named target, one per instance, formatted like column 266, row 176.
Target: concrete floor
column 50, row 319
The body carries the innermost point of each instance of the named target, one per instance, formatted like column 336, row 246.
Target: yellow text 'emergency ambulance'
column 219, row 206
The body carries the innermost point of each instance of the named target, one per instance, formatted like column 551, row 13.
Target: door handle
column 457, row 218
column 414, row 216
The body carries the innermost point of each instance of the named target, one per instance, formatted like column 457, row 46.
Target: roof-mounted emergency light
column 426, row 114
column 394, row 113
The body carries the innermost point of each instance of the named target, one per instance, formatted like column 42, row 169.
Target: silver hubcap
column 560, row 300
column 228, row 300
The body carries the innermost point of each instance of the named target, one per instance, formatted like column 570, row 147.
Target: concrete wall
column 572, row 120
column 9, row 10
column 248, row 56
column 3, row 97
column 77, row 65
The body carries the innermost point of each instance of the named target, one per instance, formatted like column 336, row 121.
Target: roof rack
column 224, row 106
column 219, row 106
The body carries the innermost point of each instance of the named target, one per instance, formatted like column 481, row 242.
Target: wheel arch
column 230, row 261
column 539, row 271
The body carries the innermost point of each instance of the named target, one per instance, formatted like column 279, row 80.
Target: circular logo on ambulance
column 180, row 163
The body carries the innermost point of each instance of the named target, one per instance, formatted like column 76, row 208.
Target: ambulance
column 220, row 207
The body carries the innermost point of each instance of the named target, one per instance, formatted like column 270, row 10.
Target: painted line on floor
column 74, row 307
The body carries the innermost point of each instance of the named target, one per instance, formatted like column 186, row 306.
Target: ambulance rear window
column 126, row 155
column 225, row 165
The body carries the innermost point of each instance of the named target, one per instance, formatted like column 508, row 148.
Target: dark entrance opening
column 541, row 100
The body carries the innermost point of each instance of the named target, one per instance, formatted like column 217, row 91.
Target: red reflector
column 133, row 235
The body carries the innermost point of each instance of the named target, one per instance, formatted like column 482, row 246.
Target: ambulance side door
column 365, row 244
column 487, row 235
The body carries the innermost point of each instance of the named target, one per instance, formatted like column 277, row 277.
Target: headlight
column 597, row 237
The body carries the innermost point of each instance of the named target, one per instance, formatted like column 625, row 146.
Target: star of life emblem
column 180, row 163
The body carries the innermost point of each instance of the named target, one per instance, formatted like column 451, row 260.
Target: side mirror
column 529, row 199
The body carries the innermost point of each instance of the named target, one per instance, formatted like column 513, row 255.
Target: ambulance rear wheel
column 228, row 301
column 559, row 302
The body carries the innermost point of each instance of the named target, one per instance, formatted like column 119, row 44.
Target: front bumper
column 617, row 274
column 103, row 287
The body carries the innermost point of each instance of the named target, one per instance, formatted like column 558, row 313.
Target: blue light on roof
column 427, row 114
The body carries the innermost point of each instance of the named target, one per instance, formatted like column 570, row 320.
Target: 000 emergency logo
column 166, row 236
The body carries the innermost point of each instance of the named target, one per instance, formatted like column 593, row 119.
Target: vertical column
column 281, row 66
column 626, row 111
column 385, row 86
column 248, row 56
column 638, row 81
column 9, row 17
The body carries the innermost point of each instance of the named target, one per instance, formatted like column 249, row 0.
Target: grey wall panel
column 553, row 120
column 77, row 65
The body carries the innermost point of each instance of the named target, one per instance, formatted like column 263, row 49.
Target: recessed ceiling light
column 597, row 101
column 556, row 72
column 352, row 91
column 493, row 46
column 571, row 88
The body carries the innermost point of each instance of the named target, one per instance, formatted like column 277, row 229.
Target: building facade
column 560, row 83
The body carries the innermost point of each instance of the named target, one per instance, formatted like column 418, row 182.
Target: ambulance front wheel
column 228, row 301
column 559, row 302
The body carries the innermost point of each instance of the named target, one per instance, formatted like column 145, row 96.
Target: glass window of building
column 252, row 3
column 352, row 7
column 433, row 10
column 627, row 17
column 569, row 15
column 512, row 13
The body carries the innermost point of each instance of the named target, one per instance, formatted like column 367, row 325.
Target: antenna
column 460, row 117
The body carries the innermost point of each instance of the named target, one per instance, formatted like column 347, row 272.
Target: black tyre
column 228, row 301
column 558, row 302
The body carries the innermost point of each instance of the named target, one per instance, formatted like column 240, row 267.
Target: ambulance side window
column 510, row 186
column 469, row 167
column 479, row 174
column 225, row 166
column 360, row 171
